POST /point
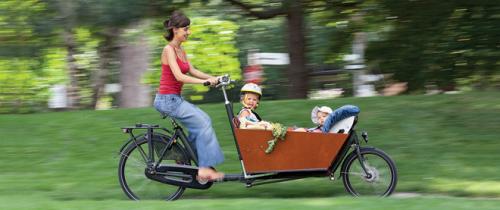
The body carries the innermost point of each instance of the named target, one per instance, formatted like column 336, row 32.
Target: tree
column 443, row 44
column 67, row 10
column 106, row 20
column 23, row 35
column 295, row 12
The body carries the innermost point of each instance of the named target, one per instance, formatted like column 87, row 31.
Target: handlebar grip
column 207, row 83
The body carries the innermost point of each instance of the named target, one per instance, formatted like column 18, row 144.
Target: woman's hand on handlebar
column 212, row 81
column 218, row 81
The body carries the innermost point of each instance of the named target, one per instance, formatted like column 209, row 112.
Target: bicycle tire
column 381, row 167
column 136, row 173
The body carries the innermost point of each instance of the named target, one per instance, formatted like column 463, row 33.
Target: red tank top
column 168, row 83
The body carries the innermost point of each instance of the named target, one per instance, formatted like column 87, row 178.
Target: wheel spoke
column 137, row 163
column 141, row 186
column 356, row 174
column 136, row 176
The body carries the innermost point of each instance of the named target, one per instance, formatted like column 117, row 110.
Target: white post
column 58, row 99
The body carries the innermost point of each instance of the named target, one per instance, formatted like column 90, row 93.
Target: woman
column 175, row 69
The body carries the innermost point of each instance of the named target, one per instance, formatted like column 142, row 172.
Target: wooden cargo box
column 300, row 151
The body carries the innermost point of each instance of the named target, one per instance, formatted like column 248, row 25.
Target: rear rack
column 127, row 129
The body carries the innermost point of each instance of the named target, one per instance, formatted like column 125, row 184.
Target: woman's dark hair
column 177, row 20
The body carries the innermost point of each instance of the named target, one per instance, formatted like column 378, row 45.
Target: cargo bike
column 159, row 163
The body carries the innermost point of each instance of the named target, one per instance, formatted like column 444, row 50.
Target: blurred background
column 93, row 54
column 61, row 60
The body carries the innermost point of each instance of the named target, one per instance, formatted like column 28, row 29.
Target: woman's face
column 182, row 34
column 251, row 100
column 321, row 117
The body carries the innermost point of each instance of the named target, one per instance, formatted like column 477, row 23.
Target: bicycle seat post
column 149, row 137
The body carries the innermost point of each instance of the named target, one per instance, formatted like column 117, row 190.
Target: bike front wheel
column 381, row 176
column 132, row 166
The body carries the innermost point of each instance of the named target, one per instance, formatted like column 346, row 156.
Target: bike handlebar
column 222, row 81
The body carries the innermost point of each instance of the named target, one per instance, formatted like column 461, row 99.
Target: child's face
column 321, row 117
column 251, row 100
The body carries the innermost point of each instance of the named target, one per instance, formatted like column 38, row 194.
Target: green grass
column 252, row 203
column 442, row 144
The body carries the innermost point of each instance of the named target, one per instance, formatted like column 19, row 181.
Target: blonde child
column 250, row 95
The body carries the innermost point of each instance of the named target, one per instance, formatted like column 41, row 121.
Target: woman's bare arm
column 197, row 73
column 169, row 56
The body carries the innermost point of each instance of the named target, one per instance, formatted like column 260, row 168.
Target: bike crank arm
column 178, row 175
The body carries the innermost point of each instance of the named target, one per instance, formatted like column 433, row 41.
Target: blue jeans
column 201, row 134
column 338, row 115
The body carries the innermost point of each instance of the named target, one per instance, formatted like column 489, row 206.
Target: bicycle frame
column 158, row 172
column 178, row 133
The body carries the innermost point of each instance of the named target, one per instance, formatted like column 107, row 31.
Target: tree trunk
column 74, row 98
column 297, row 72
column 74, row 87
column 134, row 59
column 294, row 11
column 106, row 50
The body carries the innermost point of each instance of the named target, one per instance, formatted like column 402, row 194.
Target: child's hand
column 267, row 125
column 300, row 130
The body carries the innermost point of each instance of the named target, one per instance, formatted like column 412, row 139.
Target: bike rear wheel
column 132, row 167
column 381, row 178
